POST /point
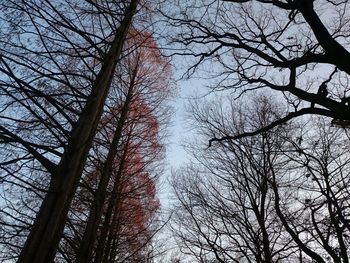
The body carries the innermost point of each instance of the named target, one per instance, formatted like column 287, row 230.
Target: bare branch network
column 296, row 47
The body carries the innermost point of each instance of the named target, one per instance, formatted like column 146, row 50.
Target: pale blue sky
column 179, row 128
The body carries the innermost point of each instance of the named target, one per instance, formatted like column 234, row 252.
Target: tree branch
column 289, row 116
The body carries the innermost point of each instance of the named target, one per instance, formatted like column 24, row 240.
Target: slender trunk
column 112, row 252
column 44, row 237
column 314, row 255
column 109, row 252
column 88, row 240
column 113, row 201
column 262, row 218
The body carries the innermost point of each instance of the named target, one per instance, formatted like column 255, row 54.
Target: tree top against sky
column 296, row 48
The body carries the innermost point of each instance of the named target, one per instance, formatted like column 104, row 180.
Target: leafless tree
column 317, row 218
column 281, row 196
column 298, row 48
column 226, row 211
column 127, row 157
column 57, row 61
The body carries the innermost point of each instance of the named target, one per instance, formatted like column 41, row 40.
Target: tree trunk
column 44, row 237
column 90, row 232
column 113, row 202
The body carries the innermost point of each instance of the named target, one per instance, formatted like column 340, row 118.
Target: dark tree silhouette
column 225, row 208
column 298, row 48
column 280, row 196
column 57, row 61
column 127, row 147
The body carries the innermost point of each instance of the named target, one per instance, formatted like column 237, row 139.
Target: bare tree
column 127, row 150
column 58, row 60
column 225, row 211
column 318, row 219
column 280, row 196
column 298, row 48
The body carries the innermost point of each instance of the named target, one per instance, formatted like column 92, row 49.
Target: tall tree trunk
column 90, row 232
column 44, row 237
column 112, row 204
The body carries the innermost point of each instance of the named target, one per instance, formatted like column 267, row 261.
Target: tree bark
column 108, row 224
column 89, row 236
column 43, row 240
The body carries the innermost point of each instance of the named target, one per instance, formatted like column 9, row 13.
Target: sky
column 179, row 131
